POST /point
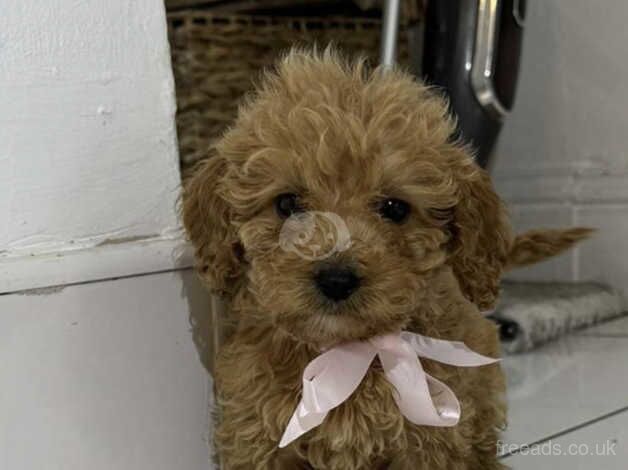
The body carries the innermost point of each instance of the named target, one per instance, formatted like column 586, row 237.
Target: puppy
column 404, row 232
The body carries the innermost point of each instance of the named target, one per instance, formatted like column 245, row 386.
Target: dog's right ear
column 207, row 220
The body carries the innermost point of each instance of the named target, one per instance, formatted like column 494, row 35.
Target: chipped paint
column 42, row 291
column 135, row 238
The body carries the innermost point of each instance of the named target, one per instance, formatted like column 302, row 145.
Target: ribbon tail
column 328, row 380
column 444, row 401
column 455, row 353
column 299, row 425
column 421, row 398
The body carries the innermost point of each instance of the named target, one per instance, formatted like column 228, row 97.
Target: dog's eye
column 394, row 210
column 287, row 204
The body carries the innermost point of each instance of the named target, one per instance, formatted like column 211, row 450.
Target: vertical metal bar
column 390, row 29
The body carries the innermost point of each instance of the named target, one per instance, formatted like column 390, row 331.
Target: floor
column 569, row 402
column 113, row 375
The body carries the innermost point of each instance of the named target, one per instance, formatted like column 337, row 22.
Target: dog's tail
column 536, row 245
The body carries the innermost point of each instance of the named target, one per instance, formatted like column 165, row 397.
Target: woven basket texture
column 216, row 60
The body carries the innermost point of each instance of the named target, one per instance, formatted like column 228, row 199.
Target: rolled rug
column 532, row 313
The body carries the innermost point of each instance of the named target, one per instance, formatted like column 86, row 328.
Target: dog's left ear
column 481, row 231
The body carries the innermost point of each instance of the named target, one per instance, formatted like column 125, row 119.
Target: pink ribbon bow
column 332, row 377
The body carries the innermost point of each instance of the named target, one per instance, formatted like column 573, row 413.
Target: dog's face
column 335, row 199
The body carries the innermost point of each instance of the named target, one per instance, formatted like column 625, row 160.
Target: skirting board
column 19, row 273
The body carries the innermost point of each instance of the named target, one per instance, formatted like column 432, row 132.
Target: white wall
column 87, row 140
column 563, row 155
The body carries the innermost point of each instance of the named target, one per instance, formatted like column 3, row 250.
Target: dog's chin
column 323, row 330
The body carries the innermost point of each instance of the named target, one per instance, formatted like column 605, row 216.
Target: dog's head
column 336, row 196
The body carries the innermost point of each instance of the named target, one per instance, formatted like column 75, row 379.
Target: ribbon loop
column 332, row 377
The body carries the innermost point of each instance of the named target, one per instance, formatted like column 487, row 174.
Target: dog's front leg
column 259, row 455
column 419, row 462
column 286, row 459
column 243, row 444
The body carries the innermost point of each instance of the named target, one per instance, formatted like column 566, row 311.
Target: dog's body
column 429, row 241
column 259, row 378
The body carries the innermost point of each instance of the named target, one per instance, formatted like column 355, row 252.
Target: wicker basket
column 217, row 58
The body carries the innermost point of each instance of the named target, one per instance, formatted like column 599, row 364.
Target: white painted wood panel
column 101, row 262
column 105, row 376
column 87, row 136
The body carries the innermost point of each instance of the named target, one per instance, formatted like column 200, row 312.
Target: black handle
column 472, row 50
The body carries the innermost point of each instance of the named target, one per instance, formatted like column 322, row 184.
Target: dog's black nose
column 337, row 283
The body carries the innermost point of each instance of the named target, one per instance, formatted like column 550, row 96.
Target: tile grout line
column 95, row 281
column 564, row 432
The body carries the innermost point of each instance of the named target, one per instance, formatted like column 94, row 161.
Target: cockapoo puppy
column 405, row 233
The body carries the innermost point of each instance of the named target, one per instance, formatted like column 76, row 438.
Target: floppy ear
column 207, row 220
column 482, row 234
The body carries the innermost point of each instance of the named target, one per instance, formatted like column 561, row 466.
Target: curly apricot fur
column 342, row 137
